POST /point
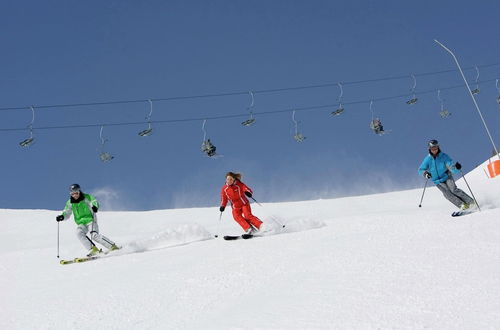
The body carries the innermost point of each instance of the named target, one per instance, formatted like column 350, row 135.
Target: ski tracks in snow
column 182, row 235
column 192, row 233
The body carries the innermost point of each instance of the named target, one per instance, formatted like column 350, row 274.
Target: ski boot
column 113, row 247
column 93, row 251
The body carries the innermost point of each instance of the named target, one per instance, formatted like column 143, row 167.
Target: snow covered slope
column 376, row 261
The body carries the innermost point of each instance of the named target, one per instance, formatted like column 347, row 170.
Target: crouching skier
column 237, row 192
column 84, row 208
column 439, row 167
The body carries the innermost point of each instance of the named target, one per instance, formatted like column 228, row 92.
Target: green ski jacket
column 81, row 209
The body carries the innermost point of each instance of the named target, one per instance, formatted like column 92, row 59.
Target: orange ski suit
column 242, row 213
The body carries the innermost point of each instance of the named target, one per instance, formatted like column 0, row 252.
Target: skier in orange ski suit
column 236, row 192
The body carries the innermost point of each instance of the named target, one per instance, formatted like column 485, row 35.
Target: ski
column 85, row 259
column 66, row 262
column 77, row 260
column 232, row 238
column 460, row 213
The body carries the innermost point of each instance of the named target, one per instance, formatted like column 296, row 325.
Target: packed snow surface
column 366, row 262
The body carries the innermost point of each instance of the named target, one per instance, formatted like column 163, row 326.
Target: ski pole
column 422, row 198
column 279, row 223
column 475, row 200
column 256, row 201
column 57, row 239
column 218, row 226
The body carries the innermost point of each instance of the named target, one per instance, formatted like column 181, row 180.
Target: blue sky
column 74, row 52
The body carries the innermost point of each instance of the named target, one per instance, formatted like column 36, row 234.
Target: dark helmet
column 75, row 187
column 433, row 143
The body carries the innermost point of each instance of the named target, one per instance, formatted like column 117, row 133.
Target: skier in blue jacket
column 439, row 167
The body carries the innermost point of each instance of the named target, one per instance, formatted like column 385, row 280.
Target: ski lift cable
column 271, row 112
column 310, row 108
column 68, row 105
column 215, row 95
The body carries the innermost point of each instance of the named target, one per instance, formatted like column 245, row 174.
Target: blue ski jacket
column 439, row 167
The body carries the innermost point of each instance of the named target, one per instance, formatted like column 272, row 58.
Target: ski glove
column 458, row 166
column 427, row 175
column 60, row 218
column 94, row 208
column 222, row 208
column 249, row 194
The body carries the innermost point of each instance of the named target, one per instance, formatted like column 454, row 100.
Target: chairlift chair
column 340, row 108
column 339, row 111
column 208, row 148
column 476, row 90
column 251, row 120
column 146, row 132
column 207, row 145
column 105, row 157
column 248, row 122
column 412, row 101
column 444, row 114
column 414, row 98
column 299, row 137
column 27, row 142
column 376, row 126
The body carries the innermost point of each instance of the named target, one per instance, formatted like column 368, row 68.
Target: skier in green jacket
column 84, row 208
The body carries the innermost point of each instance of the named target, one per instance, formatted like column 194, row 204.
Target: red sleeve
column 245, row 187
column 223, row 197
